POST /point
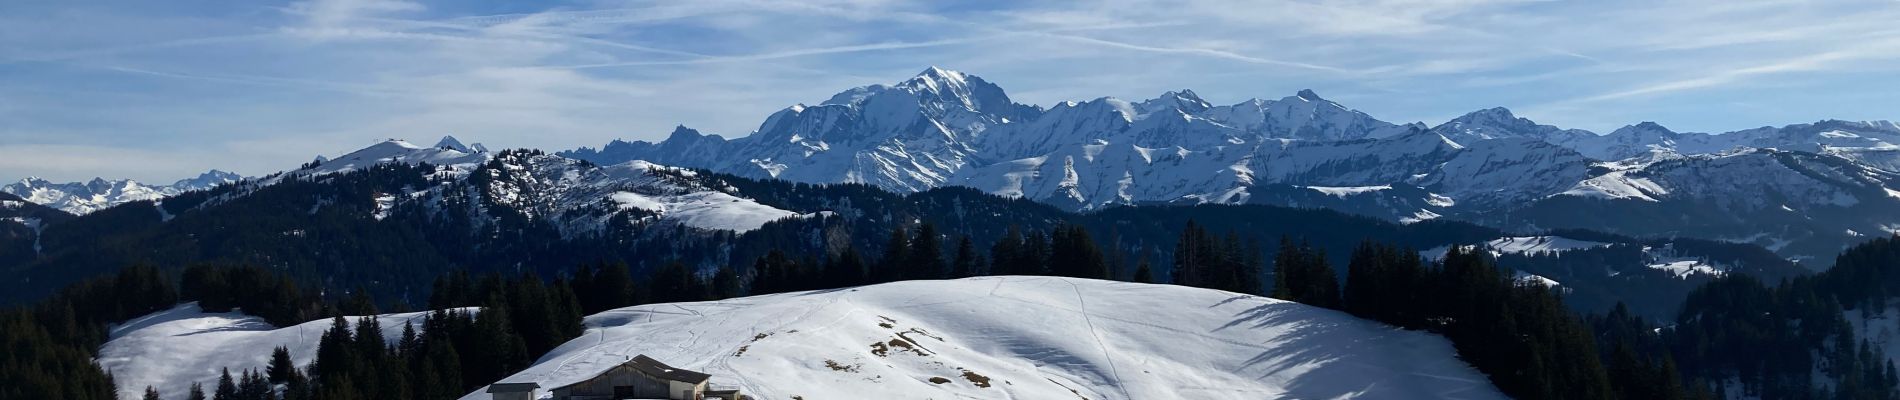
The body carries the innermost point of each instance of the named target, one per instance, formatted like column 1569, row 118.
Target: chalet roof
column 513, row 387
column 658, row 369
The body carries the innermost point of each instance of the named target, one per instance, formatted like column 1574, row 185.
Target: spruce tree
column 845, row 269
column 281, row 368
column 1143, row 274
column 197, row 392
column 926, row 254
column 1074, row 254
column 410, row 345
column 369, row 345
column 335, row 354
column 1035, row 254
column 150, row 393
column 1007, row 252
column 613, row 288
column 890, row 267
column 725, row 284
column 966, row 263
column 227, row 388
column 1191, row 254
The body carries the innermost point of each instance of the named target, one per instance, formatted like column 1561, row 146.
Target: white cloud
column 322, row 76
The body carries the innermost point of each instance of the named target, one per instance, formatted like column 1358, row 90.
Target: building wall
column 603, row 385
column 683, row 390
column 514, row 396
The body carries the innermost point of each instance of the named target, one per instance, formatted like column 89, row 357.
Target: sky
column 158, row 91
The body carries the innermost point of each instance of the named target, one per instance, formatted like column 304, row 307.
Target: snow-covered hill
column 1024, row 338
column 169, row 350
column 85, row 197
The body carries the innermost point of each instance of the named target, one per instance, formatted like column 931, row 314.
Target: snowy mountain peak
column 935, row 74
column 208, row 179
column 681, row 132
column 449, row 143
column 1645, row 128
column 1308, row 95
column 1184, row 100
column 1501, row 123
column 1493, row 115
column 398, row 150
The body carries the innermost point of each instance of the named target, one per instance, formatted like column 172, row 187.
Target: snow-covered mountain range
column 949, row 128
column 993, row 337
column 575, row 197
column 1805, row 190
column 99, row 193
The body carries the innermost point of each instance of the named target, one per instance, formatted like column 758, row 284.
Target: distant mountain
column 410, row 212
column 945, row 128
column 99, row 193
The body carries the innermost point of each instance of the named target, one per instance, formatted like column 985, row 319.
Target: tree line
column 1734, row 337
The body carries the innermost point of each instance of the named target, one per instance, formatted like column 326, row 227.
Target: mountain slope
column 1020, row 337
column 1803, row 205
column 21, row 223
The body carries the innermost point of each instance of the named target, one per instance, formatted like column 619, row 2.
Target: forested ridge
column 531, row 295
column 329, row 234
column 1520, row 335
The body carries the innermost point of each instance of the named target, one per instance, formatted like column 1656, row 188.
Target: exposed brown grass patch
column 835, row 366
column 978, row 379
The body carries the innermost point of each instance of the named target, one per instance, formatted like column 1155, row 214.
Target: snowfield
column 990, row 337
column 1022, row 338
column 170, row 349
column 705, row 210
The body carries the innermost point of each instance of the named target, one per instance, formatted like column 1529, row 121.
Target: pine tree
column 1006, row 253
column 369, row 345
column 845, row 269
column 254, row 386
column 1286, row 271
column 1143, row 274
column 725, row 284
column 150, row 393
column 966, row 263
column 409, row 345
column 281, row 368
column 1034, row 259
column 926, row 254
column 227, row 389
column 890, row 267
column 1074, row 254
column 1191, row 254
column 1364, row 272
column 335, row 356
column 197, row 392
column 613, row 288
column 1302, row 275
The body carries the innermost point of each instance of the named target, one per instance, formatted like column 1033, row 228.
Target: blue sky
column 158, row 91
